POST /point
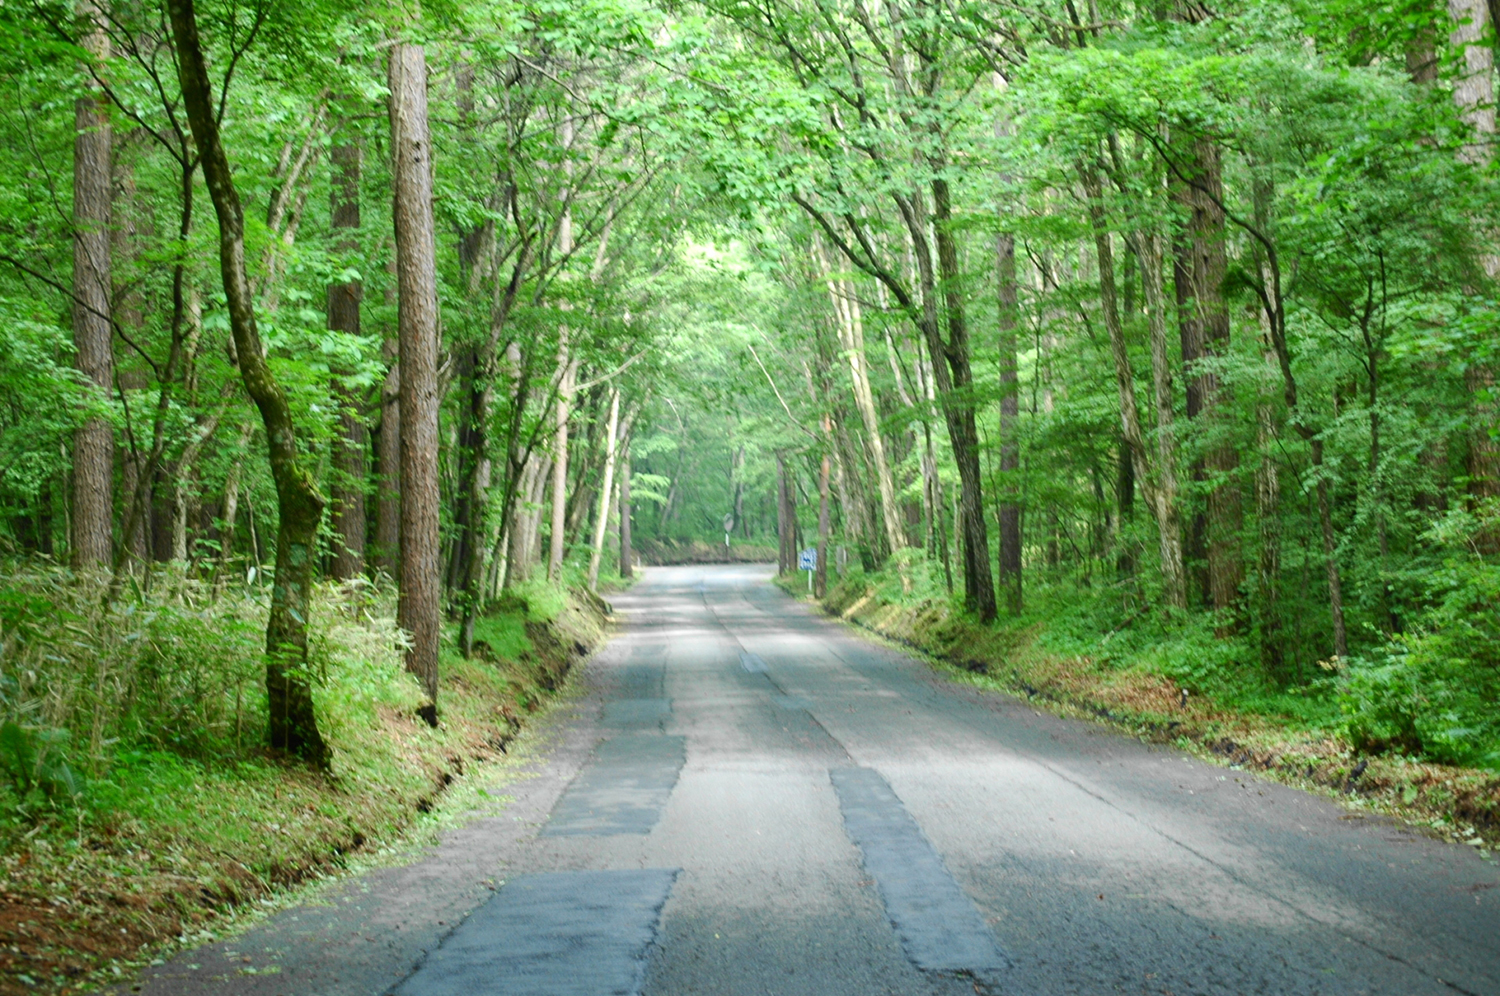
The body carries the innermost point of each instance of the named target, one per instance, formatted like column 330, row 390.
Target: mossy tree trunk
column 293, row 726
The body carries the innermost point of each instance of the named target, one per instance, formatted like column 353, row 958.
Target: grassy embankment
column 137, row 808
column 1077, row 652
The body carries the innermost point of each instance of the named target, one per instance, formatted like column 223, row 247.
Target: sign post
column 728, row 528
column 807, row 560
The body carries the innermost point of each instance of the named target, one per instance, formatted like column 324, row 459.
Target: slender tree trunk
column 1268, row 516
column 93, row 442
column 606, row 489
column 951, row 370
column 1168, row 531
column 849, row 321
column 1125, row 554
column 232, row 494
column 388, row 460
column 627, row 549
column 347, row 512
column 1330, row 549
column 293, row 724
column 1010, row 411
column 419, row 609
column 820, row 575
column 567, row 373
column 1276, row 330
column 786, row 518
column 1168, row 514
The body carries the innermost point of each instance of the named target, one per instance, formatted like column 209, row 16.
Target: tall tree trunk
column 820, row 575
column 786, row 518
column 419, row 609
column 979, row 586
column 1268, row 516
column 567, row 373
column 1275, row 314
column 232, row 494
column 350, row 446
column 627, row 549
column 93, row 443
column 1205, row 332
column 1168, row 530
column 606, row 488
column 293, row 724
column 388, row 467
column 849, row 322
column 1474, row 94
column 1168, row 513
column 1010, row 410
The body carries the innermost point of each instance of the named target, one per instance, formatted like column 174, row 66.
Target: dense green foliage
column 1165, row 333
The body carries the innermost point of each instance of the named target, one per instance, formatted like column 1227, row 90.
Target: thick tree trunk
column 91, row 541
column 1474, row 95
column 606, row 489
column 1010, row 410
column 293, row 724
column 419, row 609
column 1204, row 318
column 347, row 513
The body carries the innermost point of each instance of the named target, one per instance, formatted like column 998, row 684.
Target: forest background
column 338, row 341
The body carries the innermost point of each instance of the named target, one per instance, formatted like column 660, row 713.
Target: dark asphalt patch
column 637, row 714
column 750, row 662
column 622, row 791
column 554, row 934
column 939, row 927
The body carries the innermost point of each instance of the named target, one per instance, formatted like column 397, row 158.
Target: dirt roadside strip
column 1456, row 804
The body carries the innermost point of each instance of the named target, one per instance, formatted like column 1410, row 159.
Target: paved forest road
column 756, row 801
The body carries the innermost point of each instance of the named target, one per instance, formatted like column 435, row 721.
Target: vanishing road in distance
column 749, row 799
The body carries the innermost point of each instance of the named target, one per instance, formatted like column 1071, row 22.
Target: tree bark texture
column 91, row 541
column 352, row 442
column 849, row 323
column 1201, row 266
column 1010, row 410
column 606, row 489
column 293, row 724
column 1474, row 95
column 820, row 575
column 951, row 371
column 419, row 609
column 627, row 549
column 567, row 373
column 1165, row 498
column 388, row 469
column 1168, row 532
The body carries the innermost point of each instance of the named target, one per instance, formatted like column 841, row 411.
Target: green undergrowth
column 137, row 807
column 1091, row 652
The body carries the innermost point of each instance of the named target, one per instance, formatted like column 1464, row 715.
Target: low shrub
column 1432, row 691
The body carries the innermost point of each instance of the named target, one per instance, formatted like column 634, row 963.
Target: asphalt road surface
column 753, row 800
